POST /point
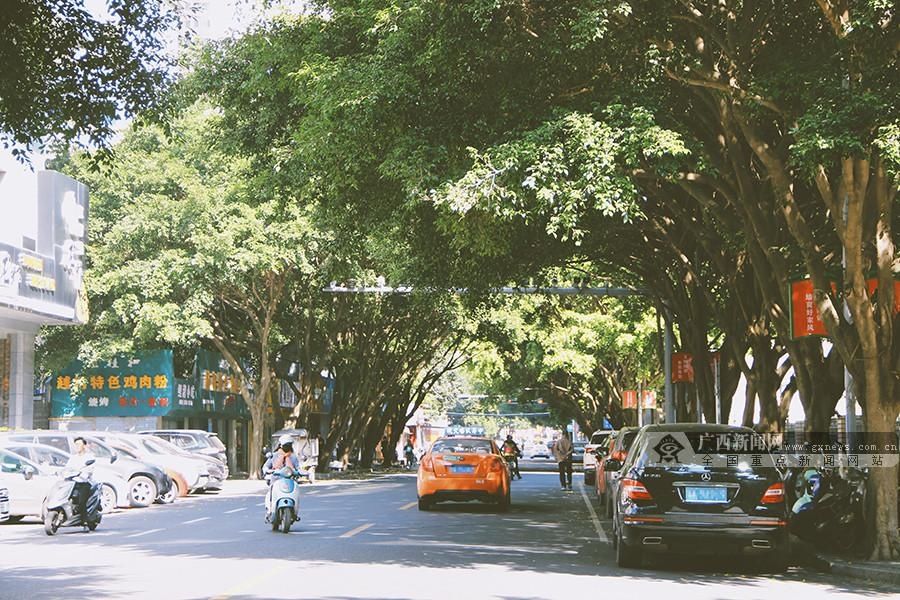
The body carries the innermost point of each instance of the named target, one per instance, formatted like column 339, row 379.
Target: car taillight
column 775, row 494
column 618, row 455
column 428, row 464
column 634, row 490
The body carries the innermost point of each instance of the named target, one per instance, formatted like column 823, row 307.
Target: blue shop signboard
column 126, row 386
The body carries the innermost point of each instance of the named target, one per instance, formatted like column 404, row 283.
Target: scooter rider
column 512, row 453
column 77, row 464
column 283, row 456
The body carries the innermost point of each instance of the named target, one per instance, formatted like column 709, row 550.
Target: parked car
column 147, row 482
column 178, row 487
column 619, row 445
column 28, row 487
column 671, row 499
column 193, row 469
column 195, row 441
column 4, row 504
column 115, row 490
column 595, row 450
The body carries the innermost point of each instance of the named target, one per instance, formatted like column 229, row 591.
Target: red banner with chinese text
column 629, row 399
column 682, row 367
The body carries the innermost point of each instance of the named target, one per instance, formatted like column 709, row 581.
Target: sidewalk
column 881, row 572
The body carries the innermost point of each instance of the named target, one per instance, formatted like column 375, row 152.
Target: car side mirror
column 28, row 472
column 268, row 455
column 89, row 462
column 612, row 464
column 114, row 458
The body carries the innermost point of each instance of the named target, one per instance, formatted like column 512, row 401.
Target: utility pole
column 667, row 370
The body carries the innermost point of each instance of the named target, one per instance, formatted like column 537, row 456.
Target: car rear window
column 215, row 442
column 462, row 446
column 689, row 449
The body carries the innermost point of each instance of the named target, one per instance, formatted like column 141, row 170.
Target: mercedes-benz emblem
column 705, row 477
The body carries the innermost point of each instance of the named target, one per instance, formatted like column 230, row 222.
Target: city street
column 368, row 540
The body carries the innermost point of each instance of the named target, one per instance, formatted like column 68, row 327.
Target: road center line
column 230, row 512
column 196, row 520
column 359, row 529
column 600, row 533
column 143, row 533
column 408, row 506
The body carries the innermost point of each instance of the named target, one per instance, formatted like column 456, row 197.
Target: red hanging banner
column 682, row 367
column 629, row 399
column 648, row 399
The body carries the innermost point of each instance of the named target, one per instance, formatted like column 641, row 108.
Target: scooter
column 283, row 499
column 829, row 508
column 62, row 502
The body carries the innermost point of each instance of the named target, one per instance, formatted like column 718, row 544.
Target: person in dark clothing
column 511, row 453
column 562, row 452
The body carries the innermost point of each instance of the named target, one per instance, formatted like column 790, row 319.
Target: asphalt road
column 368, row 540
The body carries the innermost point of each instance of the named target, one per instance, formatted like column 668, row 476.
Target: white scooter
column 283, row 499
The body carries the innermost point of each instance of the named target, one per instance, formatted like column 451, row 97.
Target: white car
column 538, row 451
column 50, row 460
column 27, row 486
column 194, row 470
column 595, row 448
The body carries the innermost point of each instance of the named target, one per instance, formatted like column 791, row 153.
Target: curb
column 882, row 573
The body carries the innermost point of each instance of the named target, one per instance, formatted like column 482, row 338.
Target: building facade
column 43, row 232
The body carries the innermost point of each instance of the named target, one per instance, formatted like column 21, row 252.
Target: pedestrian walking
column 562, row 452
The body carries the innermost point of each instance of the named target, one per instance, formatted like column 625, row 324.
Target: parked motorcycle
column 67, row 505
column 283, row 499
column 829, row 510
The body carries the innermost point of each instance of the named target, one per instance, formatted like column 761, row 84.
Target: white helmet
column 285, row 439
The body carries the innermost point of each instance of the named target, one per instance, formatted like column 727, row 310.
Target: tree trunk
column 882, row 490
column 257, row 443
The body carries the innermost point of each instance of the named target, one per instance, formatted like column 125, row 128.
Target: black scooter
column 66, row 506
column 829, row 510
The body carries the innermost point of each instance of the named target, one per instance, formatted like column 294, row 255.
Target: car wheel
column 424, row 504
column 505, row 502
column 143, row 491
column 627, row 557
column 108, row 499
column 173, row 493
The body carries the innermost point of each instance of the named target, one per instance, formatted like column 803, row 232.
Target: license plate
column 462, row 469
column 706, row 494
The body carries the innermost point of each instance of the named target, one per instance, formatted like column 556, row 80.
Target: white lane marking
column 143, row 533
column 600, row 533
column 408, row 506
column 196, row 520
column 359, row 529
column 231, row 512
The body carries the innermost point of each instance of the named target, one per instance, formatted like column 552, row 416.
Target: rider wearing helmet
column 512, row 453
column 284, row 456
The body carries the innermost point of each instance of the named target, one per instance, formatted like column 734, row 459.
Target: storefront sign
column 126, row 386
column 218, row 386
column 682, row 367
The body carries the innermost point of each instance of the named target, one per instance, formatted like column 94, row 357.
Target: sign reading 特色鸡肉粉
column 140, row 385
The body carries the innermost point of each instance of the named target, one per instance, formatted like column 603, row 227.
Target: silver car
column 115, row 492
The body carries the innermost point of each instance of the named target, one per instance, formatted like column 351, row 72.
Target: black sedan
column 678, row 495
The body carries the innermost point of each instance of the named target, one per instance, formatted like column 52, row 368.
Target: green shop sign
column 126, row 386
column 218, row 387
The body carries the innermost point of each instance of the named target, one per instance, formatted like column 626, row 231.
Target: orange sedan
column 461, row 469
